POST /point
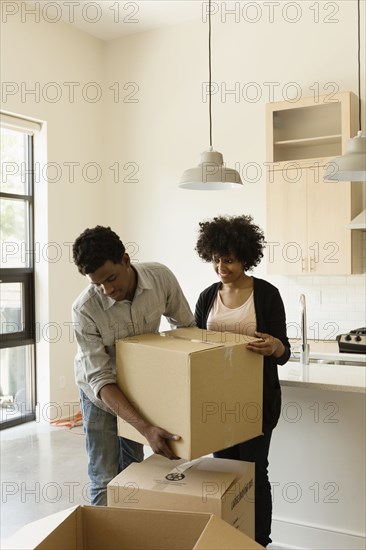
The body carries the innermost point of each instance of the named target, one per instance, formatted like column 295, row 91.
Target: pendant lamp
column 352, row 165
column 211, row 173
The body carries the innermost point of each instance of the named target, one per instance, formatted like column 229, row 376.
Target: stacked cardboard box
column 219, row 486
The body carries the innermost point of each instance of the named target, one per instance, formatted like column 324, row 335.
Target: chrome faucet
column 305, row 348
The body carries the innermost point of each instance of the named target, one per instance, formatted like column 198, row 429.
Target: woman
column 244, row 304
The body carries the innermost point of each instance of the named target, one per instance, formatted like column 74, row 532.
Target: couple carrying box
column 126, row 300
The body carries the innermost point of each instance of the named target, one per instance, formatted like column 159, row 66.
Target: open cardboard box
column 214, row 485
column 204, row 386
column 103, row 528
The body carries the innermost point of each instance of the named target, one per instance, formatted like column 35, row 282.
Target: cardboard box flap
column 227, row 465
column 157, row 473
column 171, row 341
column 194, row 334
column 39, row 534
column 218, row 535
column 127, row 529
column 99, row 527
column 187, row 340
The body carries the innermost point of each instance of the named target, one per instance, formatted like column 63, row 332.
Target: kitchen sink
column 349, row 359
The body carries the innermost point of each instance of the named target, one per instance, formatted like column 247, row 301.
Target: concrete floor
column 43, row 470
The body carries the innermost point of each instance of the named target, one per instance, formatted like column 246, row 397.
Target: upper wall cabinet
column 307, row 217
column 310, row 130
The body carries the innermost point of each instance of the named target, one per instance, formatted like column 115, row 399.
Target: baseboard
column 298, row 536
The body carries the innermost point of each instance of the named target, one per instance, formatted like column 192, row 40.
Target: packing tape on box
column 194, row 340
column 228, row 357
column 228, row 436
column 175, row 476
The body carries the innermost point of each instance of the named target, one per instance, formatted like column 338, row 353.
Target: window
column 17, row 311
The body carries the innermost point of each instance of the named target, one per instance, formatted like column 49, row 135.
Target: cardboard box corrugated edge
column 216, row 535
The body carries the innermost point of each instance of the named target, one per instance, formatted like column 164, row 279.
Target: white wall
column 154, row 139
column 165, row 132
column 35, row 54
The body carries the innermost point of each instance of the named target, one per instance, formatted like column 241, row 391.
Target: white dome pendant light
column 211, row 173
column 352, row 165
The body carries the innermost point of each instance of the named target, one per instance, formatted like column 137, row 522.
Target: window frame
column 23, row 275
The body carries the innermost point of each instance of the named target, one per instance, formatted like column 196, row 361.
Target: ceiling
column 108, row 20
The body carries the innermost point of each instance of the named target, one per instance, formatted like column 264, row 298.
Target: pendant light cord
column 209, row 69
column 359, row 62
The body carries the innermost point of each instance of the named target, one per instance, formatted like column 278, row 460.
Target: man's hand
column 159, row 441
column 157, row 437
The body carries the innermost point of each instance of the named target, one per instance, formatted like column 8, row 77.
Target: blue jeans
column 108, row 453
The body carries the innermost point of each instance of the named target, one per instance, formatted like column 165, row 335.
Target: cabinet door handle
column 304, row 264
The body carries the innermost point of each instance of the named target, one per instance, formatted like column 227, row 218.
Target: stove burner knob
column 358, row 338
column 348, row 337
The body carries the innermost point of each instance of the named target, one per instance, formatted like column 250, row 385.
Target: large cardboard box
column 204, row 386
column 103, row 528
column 214, row 485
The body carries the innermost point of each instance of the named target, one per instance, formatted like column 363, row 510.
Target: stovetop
column 352, row 342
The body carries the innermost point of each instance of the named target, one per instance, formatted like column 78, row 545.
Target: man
column 121, row 300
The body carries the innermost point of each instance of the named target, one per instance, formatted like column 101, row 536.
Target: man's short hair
column 96, row 246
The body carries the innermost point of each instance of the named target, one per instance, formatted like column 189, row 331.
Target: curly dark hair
column 96, row 246
column 234, row 236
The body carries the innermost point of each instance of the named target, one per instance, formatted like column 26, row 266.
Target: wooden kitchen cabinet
column 310, row 129
column 307, row 224
column 307, row 217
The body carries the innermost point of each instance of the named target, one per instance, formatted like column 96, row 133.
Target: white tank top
column 241, row 320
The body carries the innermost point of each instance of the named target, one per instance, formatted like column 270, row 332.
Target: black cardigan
column 271, row 319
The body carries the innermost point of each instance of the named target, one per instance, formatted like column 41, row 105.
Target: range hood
column 359, row 222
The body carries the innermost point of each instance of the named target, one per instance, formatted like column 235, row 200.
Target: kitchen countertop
column 346, row 377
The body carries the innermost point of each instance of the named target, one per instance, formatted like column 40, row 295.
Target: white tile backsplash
column 335, row 305
column 356, row 298
column 339, row 298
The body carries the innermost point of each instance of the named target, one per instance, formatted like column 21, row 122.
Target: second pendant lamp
column 211, row 173
column 352, row 165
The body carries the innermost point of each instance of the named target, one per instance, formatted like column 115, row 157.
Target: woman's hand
column 267, row 345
